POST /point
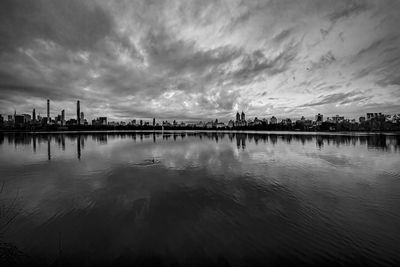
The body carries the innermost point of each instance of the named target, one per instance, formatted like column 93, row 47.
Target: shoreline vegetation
column 379, row 124
column 111, row 131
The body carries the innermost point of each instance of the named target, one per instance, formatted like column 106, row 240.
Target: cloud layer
column 200, row 59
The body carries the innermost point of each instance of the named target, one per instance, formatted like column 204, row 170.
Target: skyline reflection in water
column 182, row 198
column 378, row 141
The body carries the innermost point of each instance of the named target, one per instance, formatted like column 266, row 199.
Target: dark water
column 201, row 199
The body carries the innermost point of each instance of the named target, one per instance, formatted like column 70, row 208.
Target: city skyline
column 200, row 60
column 239, row 116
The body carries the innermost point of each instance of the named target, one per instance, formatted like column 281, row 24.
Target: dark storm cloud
column 37, row 39
column 20, row 90
column 257, row 63
column 335, row 98
column 74, row 24
column 364, row 72
column 198, row 59
column 51, row 75
column 385, row 66
column 344, row 10
column 349, row 8
column 391, row 79
column 177, row 56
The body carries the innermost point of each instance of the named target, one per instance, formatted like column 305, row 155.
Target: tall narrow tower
column 62, row 117
column 78, row 112
column 34, row 115
column 48, row 110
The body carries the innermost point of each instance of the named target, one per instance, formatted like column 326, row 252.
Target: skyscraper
column 240, row 119
column 33, row 115
column 62, row 117
column 319, row 118
column 78, row 112
column 154, row 121
column 82, row 117
column 48, row 110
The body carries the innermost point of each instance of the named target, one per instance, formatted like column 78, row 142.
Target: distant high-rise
column 154, row 121
column 78, row 112
column 371, row 116
column 82, row 117
column 103, row 120
column 19, row 120
column 34, row 115
column 48, row 111
column 319, row 118
column 62, row 117
column 240, row 119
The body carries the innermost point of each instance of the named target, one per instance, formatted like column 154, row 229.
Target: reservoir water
column 191, row 198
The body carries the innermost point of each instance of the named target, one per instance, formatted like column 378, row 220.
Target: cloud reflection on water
column 238, row 198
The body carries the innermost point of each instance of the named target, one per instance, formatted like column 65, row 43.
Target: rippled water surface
column 201, row 198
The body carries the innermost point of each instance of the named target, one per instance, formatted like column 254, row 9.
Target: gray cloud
column 349, row 8
column 324, row 60
column 198, row 59
column 74, row 24
column 371, row 47
column 391, row 79
column 256, row 63
column 343, row 98
column 177, row 56
column 283, row 35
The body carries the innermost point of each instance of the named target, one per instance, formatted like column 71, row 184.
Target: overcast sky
column 202, row 59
